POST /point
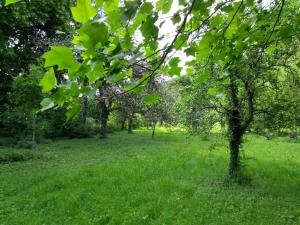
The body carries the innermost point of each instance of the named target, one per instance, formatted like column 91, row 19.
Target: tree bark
column 103, row 119
column 123, row 123
column 153, row 129
column 83, row 112
column 130, row 123
column 235, row 129
column 235, row 139
column 104, row 114
column 34, row 130
column 84, row 105
column 237, row 124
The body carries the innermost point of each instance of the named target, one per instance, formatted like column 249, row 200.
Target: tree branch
column 167, row 51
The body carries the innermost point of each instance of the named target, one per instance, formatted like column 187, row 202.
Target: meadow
column 134, row 180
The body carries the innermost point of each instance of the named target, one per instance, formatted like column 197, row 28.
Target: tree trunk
column 153, row 129
column 84, row 104
column 123, row 124
column 235, row 139
column 130, row 122
column 83, row 112
column 238, row 123
column 235, row 128
column 104, row 114
column 34, row 131
column 103, row 120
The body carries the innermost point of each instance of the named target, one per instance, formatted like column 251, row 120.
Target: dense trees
column 26, row 32
column 242, row 69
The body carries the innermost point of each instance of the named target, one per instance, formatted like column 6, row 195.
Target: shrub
column 16, row 155
column 25, row 142
column 76, row 130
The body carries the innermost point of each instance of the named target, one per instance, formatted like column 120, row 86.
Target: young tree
column 159, row 101
column 237, row 70
column 26, row 96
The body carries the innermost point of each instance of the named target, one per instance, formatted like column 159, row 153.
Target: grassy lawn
column 133, row 180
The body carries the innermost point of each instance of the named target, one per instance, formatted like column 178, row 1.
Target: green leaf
column 127, row 41
column 8, row 2
column 49, row 81
column 232, row 30
column 150, row 99
column 74, row 90
column 205, row 46
column 216, row 21
column 270, row 49
column 91, row 34
column 133, row 88
column 96, row 72
column 46, row 104
column 144, row 79
column 176, row 18
column 148, row 28
column 114, row 14
column 128, row 87
column 138, row 89
column 202, row 8
column 181, row 41
column 189, row 71
column 145, row 10
column 250, row 3
column 175, row 71
column 164, row 5
column 212, row 91
column 83, row 11
column 130, row 9
column 117, row 77
column 182, row 2
column 228, row 8
column 174, row 61
column 62, row 57
column 202, row 78
column 192, row 50
column 174, row 68
column 72, row 111
column 60, row 96
column 286, row 32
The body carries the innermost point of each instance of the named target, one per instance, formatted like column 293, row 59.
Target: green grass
column 133, row 180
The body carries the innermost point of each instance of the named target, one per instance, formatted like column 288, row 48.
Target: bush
column 4, row 141
column 77, row 130
column 112, row 127
column 25, row 142
column 16, row 155
column 13, row 123
column 293, row 135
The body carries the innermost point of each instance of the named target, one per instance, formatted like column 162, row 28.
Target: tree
column 229, row 35
column 159, row 102
column 25, row 98
column 27, row 30
column 239, row 68
column 279, row 101
column 105, row 105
